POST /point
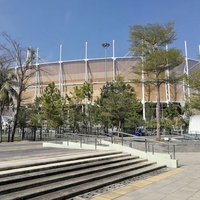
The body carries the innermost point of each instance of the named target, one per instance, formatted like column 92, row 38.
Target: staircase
column 67, row 178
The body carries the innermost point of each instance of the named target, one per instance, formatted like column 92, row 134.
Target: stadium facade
column 71, row 73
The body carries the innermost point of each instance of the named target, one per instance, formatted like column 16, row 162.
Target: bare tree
column 7, row 91
column 22, row 62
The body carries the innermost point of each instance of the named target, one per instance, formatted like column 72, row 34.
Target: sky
column 47, row 24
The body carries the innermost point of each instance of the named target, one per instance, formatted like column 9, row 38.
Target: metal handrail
column 118, row 137
column 148, row 143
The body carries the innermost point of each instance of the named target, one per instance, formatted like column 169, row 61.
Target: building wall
column 68, row 74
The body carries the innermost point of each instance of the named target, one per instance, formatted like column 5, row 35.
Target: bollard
column 153, row 149
column 81, row 142
column 95, row 143
column 145, row 145
column 168, row 148
column 67, row 140
column 112, row 138
column 174, row 151
column 148, row 145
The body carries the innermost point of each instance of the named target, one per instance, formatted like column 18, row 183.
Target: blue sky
column 45, row 24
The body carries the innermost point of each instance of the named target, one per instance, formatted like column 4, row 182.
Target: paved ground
column 20, row 153
column 177, row 184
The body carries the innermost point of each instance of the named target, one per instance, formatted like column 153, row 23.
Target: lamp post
column 105, row 46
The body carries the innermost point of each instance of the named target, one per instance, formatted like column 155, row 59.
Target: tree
column 118, row 104
column 150, row 111
column 51, row 107
column 171, row 118
column 149, row 43
column 171, row 112
column 194, row 84
column 79, row 106
column 25, row 113
column 22, row 59
column 192, row 104
column 14, row 53
column 7, row 91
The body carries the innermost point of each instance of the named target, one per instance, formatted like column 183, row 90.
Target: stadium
column 71, row 73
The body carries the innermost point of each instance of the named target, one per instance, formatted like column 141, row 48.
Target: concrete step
column 70, row 192
column 30, row 183
column 80, row 175
column 52, row 160
column 53, row 175
column 71, row 182
column 66, row 162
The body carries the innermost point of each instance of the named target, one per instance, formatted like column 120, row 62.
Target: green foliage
column 24, row 114
column 151, row 37
column 8, row 93
column 150, row 111
column 16, row 139
column 7, row 84
column 194, row 84
column 79, row 108
column 166, row 123
column 80, row 93
column 36, row 118
column 160, row 61
column 50, row 108
column 188, row 110
column 151, row 124
column 170, row 112
column 118, row 105
column 150, row 42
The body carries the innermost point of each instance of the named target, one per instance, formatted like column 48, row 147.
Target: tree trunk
column 14, row 125
column 13, row 133
column 15, row 116
column 1, row 131
column 1, row 123
column 119, row 126
column 158, row 111
column 23, row 133
column 9, row 133
column 34, row 133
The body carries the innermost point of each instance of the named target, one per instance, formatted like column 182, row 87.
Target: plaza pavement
column 182, row 183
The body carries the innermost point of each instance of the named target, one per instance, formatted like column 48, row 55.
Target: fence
column 124, row 139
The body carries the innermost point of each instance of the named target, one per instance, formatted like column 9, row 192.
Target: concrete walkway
column 23, row 153
column 177, row 184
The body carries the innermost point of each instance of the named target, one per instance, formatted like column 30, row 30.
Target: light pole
column 105, row 46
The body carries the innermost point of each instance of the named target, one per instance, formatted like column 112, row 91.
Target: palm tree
column 7, row 91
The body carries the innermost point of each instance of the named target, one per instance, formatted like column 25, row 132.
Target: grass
column 16, row 139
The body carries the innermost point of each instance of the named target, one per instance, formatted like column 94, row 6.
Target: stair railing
column 147, row 145
column 122, row 138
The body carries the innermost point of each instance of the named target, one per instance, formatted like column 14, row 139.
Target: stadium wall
column 69, row 74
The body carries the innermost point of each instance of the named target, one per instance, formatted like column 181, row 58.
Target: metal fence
column 96, row 139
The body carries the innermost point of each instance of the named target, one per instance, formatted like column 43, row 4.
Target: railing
column 144, row 144
column 124, row 139
column 93, row 139
column 192, row 135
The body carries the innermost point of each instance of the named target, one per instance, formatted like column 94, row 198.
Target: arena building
column 68, row 74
